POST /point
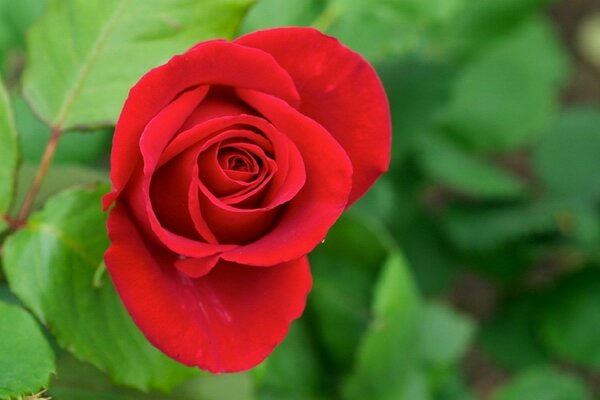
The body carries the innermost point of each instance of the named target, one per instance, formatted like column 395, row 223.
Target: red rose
column 229, row 165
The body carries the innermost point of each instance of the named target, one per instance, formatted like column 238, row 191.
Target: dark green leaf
column 431, row 258
column 571, row 321
column 485, row 21
column 453, row 387
column 506, row 97
column 510, row 338
column 26, row 359
column 51, row 265
column 84, row 55
column 489, row 227
column 505, row 263
column 566, row 159
column 543, row 383
column 417, row 89
column 344, row 269
column 385, row 367
column 464, row 172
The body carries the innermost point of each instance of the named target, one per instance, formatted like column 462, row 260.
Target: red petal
column 290, row 177
column 196, row 267
column 309, row 215
column 137, row 199
column 339, row 90
column 222, row 183
column 161, row 129
column 215, row 62
column 234, row 225
column 226, row 321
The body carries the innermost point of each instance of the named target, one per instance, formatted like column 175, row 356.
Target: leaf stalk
column 45, row 164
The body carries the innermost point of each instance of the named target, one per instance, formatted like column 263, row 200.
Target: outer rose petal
column 226, row 321
column 215, row 62
column 339, row 90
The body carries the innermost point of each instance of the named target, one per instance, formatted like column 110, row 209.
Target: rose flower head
column 229, row 165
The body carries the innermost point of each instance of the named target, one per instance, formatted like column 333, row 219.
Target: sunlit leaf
column 26, row 359
column 84, row 148
column 84, row 55
column 52, row 265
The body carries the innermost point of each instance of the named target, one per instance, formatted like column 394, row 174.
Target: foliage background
column 470, row 271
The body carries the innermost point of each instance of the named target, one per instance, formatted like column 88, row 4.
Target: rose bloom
column 229, row 165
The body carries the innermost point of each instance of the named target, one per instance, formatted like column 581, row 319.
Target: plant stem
column 39, row 176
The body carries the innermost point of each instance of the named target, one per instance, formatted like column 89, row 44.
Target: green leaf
column 58, row 178
column 485, row 21
column 85, row 148
column 84, row 55
column 454, row 167
column 417, row 90
column 506, row 97
column 453, row 387
column 504, row 263
column 566, row 159
column 571, row 322
column 344, row 269
column 445, row 336
column 26, row 359
column 379, row 202
column 6, row 295
column 274, row 13
column 51, row 265
column 431, row 258
column 543, row 383
column 387, row 355
column 489, row 227
column 510, row 337
column 8, row 152
column 15, row 18
column 293, row 370
column 76, row 380
column 377, row 29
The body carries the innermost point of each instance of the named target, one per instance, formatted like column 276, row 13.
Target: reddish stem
column 39, row 176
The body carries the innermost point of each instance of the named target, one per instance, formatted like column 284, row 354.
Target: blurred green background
column 472, row 269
